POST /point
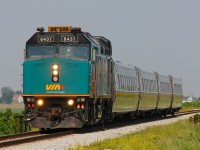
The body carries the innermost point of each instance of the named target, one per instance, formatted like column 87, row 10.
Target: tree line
column 7, row 95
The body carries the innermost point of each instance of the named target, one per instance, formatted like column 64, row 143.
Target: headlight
column 82, row 99
column 55, row 79
column 28, row 99
column 70, row 102
column 78, row 99
column 55, row 67
column 40, row 102
column 55, row 72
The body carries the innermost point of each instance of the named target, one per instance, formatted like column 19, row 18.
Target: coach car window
column 178, row 89
column 39, row 51
column 153, row 87
column 127, row 82
column 126, row 79
column 118, row 81
column 165, row 87
column 129, row 88
column 132, row 84
column 123, row 82
column 80, row 52
column 150, row 85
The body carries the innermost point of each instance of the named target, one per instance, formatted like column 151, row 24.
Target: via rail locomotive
column 70, row 79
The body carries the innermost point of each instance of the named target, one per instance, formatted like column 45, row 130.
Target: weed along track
column 25, row 139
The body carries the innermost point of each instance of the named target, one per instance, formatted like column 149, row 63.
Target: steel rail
column 15, row 140
column 21, row 135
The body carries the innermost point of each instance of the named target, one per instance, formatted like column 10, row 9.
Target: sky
column 155, row 35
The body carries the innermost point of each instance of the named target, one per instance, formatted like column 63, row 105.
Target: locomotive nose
column 56, row 76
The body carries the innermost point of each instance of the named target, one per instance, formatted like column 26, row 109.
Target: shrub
column 6, row 122
column 11, row 123
column 195, row 119
column 195, row 103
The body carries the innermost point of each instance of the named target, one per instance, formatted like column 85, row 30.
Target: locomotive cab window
column 40, row 51
column 80, row 52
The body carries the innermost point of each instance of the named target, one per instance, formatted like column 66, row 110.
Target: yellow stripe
column 104, row 96
column 180, row 96
column 146, row 95
column 52, row 95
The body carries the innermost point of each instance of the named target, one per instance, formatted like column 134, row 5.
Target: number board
column 45, row 38
column 69, row 39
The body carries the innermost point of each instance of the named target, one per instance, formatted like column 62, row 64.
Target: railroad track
column 188, row 112
column 11, row 140
column 16, row 139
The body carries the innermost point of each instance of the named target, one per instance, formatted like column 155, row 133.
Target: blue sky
column 154, row 35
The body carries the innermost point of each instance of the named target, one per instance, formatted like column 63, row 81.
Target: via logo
column 51, row 87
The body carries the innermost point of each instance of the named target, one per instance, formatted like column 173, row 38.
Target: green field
column 16, row 108
column 190, row 106
column 181, row 135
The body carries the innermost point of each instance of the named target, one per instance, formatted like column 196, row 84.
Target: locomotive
column 70, row 79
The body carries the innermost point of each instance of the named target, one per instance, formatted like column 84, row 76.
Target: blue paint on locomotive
column 73, row 76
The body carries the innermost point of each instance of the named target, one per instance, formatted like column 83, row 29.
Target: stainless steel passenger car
column 141, row 92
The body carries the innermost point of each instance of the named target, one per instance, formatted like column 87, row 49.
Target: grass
column 177, row 136
column 16, row 108
column 190, row 106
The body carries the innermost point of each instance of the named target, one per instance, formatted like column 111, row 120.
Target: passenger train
column 70, row 80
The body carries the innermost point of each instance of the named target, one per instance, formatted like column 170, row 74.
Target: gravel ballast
column 74, row 140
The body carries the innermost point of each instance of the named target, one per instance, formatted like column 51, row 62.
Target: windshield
column 80, row 52
column 71, row 52
column 40, row 51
